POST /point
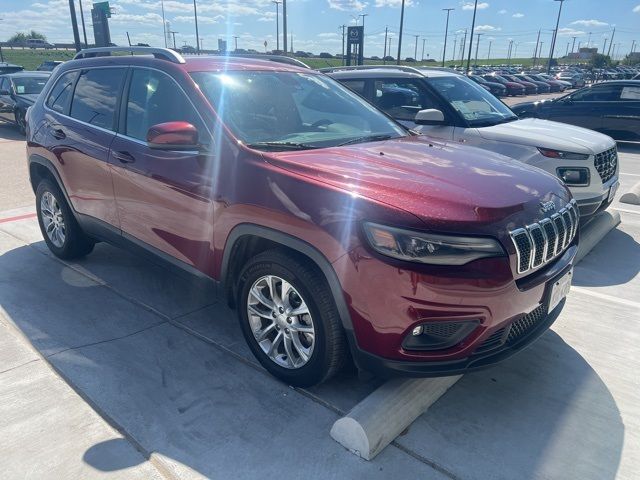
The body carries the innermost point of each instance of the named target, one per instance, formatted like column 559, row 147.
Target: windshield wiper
column 282, row 145
column 367, row 138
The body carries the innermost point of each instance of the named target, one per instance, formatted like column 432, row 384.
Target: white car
column 449, row 106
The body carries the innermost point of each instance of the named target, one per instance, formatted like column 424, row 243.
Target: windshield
column 284, row 110
column 478, row 107
column 29, row 85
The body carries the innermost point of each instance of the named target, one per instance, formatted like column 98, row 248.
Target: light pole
column 343, row 27
column 84, row 29
column 473, row 26
column 399, row 33
column 195, row 17
column 422, row 58
column 446, row 31
column 277, row 3
column 477, row 45
column 74, row 25
column 284, row 26
column 362, row 49
column 489, row 53
column 555, row 34
column 574, row 44
column 173, row 34
column 235, row 38
column 164, row 24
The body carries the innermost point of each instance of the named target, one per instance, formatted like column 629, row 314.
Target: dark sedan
column 513, row 88
column 543, row 87
column 555, row 86
column 612, row 108
column 530, row 88
column 18, row 91
column 496, row 88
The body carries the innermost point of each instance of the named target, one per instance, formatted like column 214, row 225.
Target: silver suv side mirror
column 429, row 116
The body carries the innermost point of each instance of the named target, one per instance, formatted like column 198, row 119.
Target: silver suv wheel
column 280, row 322
column 53, row 219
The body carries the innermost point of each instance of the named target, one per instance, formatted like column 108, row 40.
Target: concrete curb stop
column 383, row 415
column 378, row 419
column 632, row 196
column 594, row 231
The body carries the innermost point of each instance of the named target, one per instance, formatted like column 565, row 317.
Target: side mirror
column 429, row 116
column 5, row 92
column 173, row 136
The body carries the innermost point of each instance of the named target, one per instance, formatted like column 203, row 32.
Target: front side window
column 96, row 95
column 402, row 98
column 355, row 86
column 598, row 93
column 476, row 105
column 29, row 85
column 301, row 110
column 60, row 95
column 155, row 98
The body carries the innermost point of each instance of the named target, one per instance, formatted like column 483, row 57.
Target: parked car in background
column 513, row 88
column 48, row 66
column 611, row 107
column 530, row 88
column 576, row 79
column 18, row 91
column 564, row 83
column 543, row 87
column 9, row 68
column 331, row 227
column 554, row 86
column 451, row 107
column 496, row 88
column 38, row 43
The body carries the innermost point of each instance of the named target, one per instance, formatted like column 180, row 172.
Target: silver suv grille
column 606, row 163
column 540, row 242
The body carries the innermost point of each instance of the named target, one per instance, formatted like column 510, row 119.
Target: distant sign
column 104, row 6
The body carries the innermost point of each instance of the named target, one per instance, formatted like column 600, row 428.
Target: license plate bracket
column 559, row 290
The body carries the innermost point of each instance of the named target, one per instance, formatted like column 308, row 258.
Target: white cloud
column 518, row 15
column 392, row 3
column 469, row 5
column 146, row 19
column 502, row 12
column 636, row 9
column 590, row 23
column 347, row 5
column 487, row 28
column 201, row 19
column 569, row 32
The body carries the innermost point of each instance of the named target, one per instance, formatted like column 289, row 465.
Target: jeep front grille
column 540, row 242
column 606, row 163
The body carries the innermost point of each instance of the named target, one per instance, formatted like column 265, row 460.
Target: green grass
column 30, row 59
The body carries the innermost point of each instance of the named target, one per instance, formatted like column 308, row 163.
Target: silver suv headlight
column 429, row 248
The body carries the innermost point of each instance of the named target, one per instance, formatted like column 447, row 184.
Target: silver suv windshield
column 291, row 110
column 475, row 104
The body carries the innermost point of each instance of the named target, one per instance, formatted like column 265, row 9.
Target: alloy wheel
column 52, row 219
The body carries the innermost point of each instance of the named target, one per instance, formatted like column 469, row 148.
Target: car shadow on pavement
column 170, row 383
column 8, row 131
column 615, row 261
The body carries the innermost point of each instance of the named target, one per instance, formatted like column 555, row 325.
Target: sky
column 315, row 24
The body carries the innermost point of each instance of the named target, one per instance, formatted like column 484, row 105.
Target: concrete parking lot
column 116, row 367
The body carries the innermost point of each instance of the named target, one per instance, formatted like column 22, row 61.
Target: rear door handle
column 123, row 157
column 59, row 134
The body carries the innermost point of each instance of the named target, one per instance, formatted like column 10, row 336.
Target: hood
column 535, row 132
column 437, row 182
column 29, row 98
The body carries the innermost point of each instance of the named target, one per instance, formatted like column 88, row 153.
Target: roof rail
column 161, row 53
column 265, row 56
column 403, row 68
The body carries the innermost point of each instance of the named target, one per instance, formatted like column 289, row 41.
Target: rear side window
column 401, row 98
column 355, row 85
column 60, row 95
column 96, row 95
column 155, row 98
column 598, row 93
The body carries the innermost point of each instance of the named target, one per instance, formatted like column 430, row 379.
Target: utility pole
column 389, row 48
column 633, row 46
column 535, row 52
column 446, row 31
column 605, row 45
column 291, row 46
column 611, row 41
column 415, row 53
column 174, row 38
column 400, row 33
column 478, row 45
column 541, row 43
column 462, row 47
column 555, row 34
column 164, row 24
column 277, row 3
column 195, row 16
column 489, row 53
column 424, row 40
column 201, row 44
column 384, row 57
column 589, row 41
column 235, row 38
column 84, row 30
column 566, row 53
column 473, row 26
column 455, row 44
column 509, row 51
column 343, row 27
column 574, row 44
column 74, row 25
column 284, row 26
column 362, row 49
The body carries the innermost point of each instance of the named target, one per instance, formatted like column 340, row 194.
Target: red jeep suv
column 334, row 231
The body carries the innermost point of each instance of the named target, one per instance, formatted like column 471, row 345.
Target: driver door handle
column 59, row 134
column 123, row 157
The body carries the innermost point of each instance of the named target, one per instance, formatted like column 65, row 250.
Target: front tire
column 59, row 227
column 289, row 319
column 21, row 122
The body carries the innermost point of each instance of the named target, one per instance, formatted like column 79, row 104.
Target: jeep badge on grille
column 547, row 207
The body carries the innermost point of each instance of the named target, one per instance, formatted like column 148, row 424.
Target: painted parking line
column 17, row 217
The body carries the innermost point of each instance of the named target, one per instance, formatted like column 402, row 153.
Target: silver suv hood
column 535, row 132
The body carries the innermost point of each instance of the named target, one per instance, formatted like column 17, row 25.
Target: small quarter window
column 60, row 95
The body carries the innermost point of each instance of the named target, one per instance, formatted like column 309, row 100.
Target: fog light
column 437, row 335
column 575, row 176
column 417, row 330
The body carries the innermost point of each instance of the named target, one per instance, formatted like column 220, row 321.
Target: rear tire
column 289, row 319
column 59, row 228
column 21, row 122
